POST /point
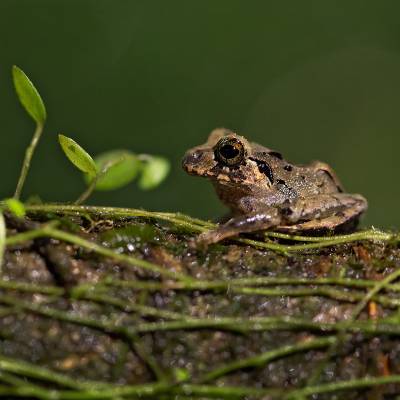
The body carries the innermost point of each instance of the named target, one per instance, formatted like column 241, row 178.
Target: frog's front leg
column 252, row 222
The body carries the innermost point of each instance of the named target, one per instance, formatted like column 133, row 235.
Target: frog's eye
column 229, row 151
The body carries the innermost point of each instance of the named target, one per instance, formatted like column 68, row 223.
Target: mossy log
column 102, row 303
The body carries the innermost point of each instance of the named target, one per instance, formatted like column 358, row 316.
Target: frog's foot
column 252, row 222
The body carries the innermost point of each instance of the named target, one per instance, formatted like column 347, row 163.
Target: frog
column 264, row 191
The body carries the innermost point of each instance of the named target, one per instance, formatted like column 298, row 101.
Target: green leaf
column 118, row 168
column 3, row 232
column 78, row 156
column 16, row 207
column 29, row 96
column 181, row 374
column 155, row 170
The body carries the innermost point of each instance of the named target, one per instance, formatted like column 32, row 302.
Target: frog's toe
column 205, row 239
column 209, row 237
column 200, row 242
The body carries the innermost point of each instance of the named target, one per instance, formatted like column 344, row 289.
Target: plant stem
column 242, row 282
column 27, row 160
column 342, row 385
column 260, row 360
column 373, row 292
column 34, row 371
column 92, row 186
column 88, row 191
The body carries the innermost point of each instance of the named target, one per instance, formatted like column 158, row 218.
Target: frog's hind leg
column 340, row 221
column 324, row 212
column 255, row 221
column 321, row 166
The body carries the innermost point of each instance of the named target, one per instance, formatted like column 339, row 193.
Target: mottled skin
column 264, row 191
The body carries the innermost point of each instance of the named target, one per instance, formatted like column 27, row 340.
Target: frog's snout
column 192, row 161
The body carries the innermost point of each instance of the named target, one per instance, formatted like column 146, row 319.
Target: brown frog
column 265, row 191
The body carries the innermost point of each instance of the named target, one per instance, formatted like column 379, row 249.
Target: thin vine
column 197, row 225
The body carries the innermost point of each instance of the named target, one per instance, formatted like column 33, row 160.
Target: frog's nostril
column 196, row 156
column 193, row 158
column 189, row 162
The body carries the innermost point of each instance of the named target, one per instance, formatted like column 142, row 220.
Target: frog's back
column 311, row 181
column 302, row 180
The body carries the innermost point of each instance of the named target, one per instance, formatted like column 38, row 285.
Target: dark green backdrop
column 313, row 79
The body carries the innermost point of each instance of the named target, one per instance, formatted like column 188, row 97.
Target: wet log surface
column 143, row 313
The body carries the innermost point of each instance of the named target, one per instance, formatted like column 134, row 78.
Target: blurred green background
column 312, row 79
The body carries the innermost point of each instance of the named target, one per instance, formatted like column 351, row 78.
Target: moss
column 117, row 303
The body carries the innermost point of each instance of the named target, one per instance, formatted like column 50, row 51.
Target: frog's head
column 225, row 158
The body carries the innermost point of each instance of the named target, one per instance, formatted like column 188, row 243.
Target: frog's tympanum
column 264, row 191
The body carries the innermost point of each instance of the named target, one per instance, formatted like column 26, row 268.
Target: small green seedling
column 34, row 106
column 107, row 171
column 114, row 169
